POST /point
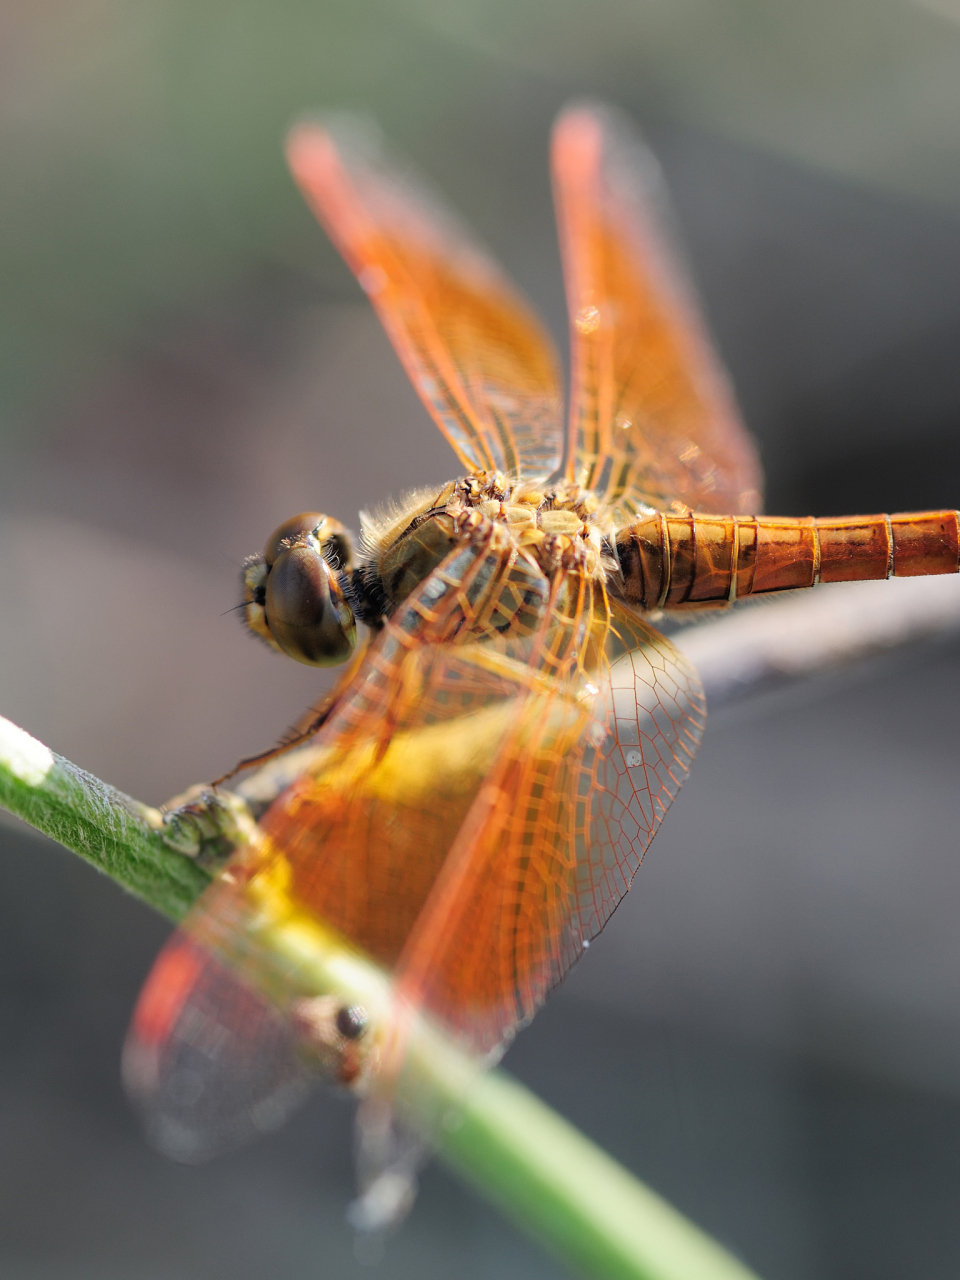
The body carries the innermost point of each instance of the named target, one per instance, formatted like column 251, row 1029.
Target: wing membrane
column 473, row 348
column 476, row 806
column 366, row 832
column 356, row 843
column 557, row 831
column 210, row 1060
column 653, row 421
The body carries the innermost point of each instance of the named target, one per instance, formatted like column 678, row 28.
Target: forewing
column 476, row 807
column 366, row 830
column 653, row 421
column 351, row 849
column 473, row 348
column 557, row 832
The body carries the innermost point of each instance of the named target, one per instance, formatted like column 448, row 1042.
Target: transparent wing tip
column 353, row 134
column 384, row 1203
column 207, row 1062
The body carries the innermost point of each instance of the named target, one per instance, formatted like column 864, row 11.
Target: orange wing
column 472, row 347
column 552, row 842
column 357, row 840
column 478, row 803
column 653, row 421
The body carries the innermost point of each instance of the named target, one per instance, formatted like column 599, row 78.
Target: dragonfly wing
column 547, row 850
column 478, row 356
column 353, row 845
column 653, row 421
column 653, row 710
column 556, row 833
column 208, row 1060
column 365, row 831
column 476, row 806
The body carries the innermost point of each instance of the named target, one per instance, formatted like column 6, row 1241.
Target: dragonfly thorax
column 556, row 525
column 304, row 595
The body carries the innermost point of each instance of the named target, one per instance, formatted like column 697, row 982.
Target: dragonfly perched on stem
column 472, row 801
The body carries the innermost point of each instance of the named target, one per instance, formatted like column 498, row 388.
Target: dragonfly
column 471, row 802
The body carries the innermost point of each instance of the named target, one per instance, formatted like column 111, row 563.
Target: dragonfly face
column 292, row 597
column 302, row 594
column 493, row 764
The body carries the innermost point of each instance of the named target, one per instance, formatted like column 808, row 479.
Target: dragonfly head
column 292, row 596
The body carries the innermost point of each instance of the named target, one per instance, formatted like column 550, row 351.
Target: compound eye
column 329, row 533
column 305, row 610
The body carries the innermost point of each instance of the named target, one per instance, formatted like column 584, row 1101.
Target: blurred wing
column 556, row 834
column 208, row 1060
column 474, row 350
column 366, row 830
column 653, row 421
column 353, row 846
column 477, row 805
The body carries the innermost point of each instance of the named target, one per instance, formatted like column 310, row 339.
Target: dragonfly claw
column 207, row 826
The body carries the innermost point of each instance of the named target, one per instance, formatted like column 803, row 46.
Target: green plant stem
column 557, row 1185
column 550, row 1179
column 102, row 825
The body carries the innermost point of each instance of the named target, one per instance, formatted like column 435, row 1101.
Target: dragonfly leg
column 207, row 825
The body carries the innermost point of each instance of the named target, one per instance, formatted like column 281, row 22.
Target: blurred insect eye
column 292, row 596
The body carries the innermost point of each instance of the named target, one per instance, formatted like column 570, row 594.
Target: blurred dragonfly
column 480, row 787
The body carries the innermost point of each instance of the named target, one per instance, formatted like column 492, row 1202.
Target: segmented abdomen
column 690, row 561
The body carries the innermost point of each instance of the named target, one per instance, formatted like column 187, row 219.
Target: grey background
column 769, row 1030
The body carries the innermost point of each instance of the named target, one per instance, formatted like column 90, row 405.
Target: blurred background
column 769, row 1030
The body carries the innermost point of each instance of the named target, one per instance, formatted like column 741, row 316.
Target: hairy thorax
column 558, row 526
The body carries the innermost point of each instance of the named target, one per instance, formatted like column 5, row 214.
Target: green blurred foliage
column 139, row 139
column 866, row 88
column 140, row 147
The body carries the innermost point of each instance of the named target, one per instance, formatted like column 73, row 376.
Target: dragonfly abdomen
column 691, row 561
